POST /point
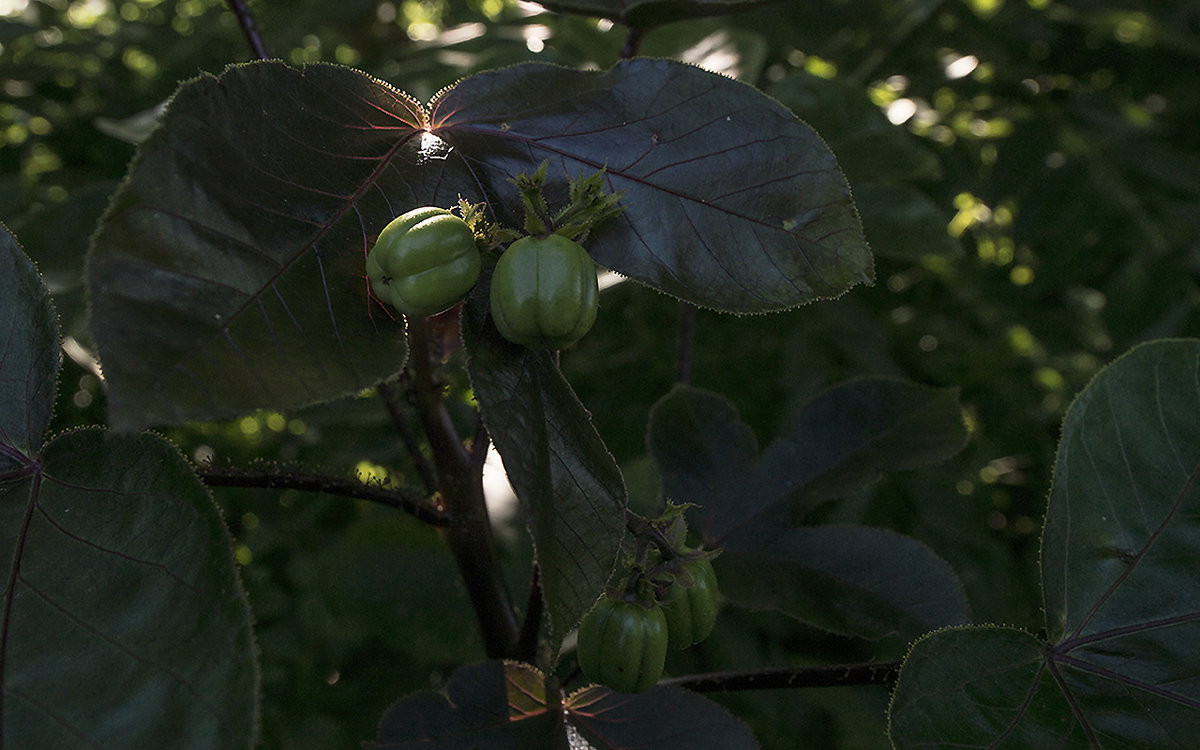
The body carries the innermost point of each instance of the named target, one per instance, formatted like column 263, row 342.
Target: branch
column 390, row 400
column 249, row 28
column 846, row 675
column 460, row 479
column 404, row 499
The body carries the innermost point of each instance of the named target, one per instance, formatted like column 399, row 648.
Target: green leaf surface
column 29, row 356
column 643, row 14
column 569, row 484
column 729, row 201
column 1120, row 549
column 229, row 272
column 995, row 683
column 124, row 622
column 664, row 718
column 488, row 706
column 858, row 581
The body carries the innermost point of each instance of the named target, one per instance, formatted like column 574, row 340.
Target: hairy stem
column 249, row 28
column 873, row 673
column 405, row 499
column 460, row 479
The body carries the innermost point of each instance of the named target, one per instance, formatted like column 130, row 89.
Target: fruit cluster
column 543, row 290
column 623, row 643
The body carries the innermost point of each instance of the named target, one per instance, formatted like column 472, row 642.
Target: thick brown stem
column 460, row 480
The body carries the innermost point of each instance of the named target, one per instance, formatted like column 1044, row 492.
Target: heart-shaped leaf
column 1120, row 549
column 568, row 482
column 122, row 621
column 729, row 201
column 865, row 582
column 229, row 272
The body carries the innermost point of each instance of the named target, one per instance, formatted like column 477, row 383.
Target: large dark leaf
column 568, row 482
column 729, row 201
column 123, row 622
column 866, row 582
column 228, row 274
column 1119, row 553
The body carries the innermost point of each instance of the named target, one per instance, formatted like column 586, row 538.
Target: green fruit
column 424, row 262
column 544, row 292
column 623, row 645
column 690, row 611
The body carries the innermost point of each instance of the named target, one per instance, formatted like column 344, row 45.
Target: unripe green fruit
column 623, row 645
column 544, row 292
column 424, row 262
column 691, row 611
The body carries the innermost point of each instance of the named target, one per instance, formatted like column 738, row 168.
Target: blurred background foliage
column 1028, row 172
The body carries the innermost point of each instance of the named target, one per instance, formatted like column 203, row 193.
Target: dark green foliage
column 1031, row 217
column 124, row 621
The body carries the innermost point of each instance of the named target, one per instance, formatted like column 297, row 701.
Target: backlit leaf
column 1120, row 549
